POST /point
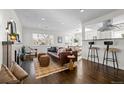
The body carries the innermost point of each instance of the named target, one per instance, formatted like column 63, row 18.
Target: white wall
column 7, row 15
column 1, row 53
column 119, row 43
column 28, row 41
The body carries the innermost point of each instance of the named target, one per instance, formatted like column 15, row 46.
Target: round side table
column 71, row 63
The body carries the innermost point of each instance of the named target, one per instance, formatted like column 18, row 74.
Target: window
column 90, row 34
column 91, row 31
column 74, row 39
column 42, row 39
column 115, row 29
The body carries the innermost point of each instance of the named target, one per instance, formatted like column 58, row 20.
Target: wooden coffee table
column 71, row 63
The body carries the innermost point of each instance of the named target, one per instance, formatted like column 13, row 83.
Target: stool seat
column 113, row 50
column 94, row 48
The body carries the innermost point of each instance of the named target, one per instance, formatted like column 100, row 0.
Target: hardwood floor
column 86, row 73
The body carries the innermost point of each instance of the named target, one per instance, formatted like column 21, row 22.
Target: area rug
column 41, row 72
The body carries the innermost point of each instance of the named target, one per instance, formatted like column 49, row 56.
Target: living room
column 40, row 36
column 29, row 34
column 46, row 45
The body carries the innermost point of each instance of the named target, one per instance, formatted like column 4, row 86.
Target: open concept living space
column 61, row 46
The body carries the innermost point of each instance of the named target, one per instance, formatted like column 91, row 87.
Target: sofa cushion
column 60, row 51
column 18, row 72
column 52, row 49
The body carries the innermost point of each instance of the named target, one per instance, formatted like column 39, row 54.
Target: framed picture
column 59, row 39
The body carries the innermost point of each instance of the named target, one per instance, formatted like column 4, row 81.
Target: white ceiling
column 117, row 20
column 58, row 19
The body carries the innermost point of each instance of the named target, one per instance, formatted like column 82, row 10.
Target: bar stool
column 93, row 52
column 110, row 50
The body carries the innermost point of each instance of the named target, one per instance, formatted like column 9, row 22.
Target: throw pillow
column 18, row 72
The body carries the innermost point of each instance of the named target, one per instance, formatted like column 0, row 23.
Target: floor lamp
column 12, row 36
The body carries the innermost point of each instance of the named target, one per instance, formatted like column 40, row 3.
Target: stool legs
column 93, row 54
column 104, row 57
column 116, row 60
column 88, row 54
column 113, row 59
column 97, row 55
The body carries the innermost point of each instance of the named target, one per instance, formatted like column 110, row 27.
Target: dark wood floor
column 86, row 73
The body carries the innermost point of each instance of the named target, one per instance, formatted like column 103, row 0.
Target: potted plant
column 122, row 35
column 13, row 36
column 75, row 40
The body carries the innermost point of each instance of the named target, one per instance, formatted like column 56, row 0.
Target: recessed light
column 62, row 23
column 75, row 24
column 81, row 10
column 11, row 20
column 42, row 19
column 46, row 26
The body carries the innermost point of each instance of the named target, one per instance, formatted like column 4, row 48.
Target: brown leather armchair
column 63, row 57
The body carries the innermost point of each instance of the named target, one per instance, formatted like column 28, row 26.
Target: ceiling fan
column 108, row 25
